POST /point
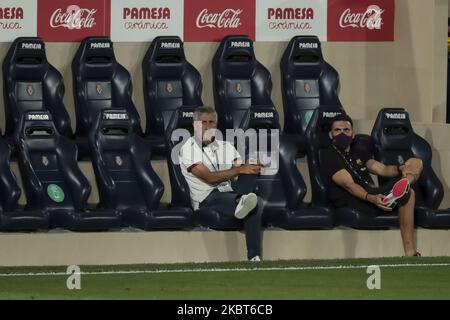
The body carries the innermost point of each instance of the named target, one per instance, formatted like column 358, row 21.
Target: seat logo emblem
column 238, row 87
column 307, row 87
column 119, row 161
column 169, row 88
column 44, row 161
column 30, row 90
column 99, row 89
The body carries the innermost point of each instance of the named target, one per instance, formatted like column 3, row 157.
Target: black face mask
column 342, row 141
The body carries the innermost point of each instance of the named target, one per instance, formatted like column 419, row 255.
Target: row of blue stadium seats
column 241, row 83
column 130, row 191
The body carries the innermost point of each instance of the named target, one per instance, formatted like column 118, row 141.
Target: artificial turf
column 238, row 280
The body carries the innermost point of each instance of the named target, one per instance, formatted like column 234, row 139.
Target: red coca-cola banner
column 72, row 20
column 206, row 20
column 362, row 20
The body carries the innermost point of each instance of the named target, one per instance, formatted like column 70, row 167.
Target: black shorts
column 366, row 206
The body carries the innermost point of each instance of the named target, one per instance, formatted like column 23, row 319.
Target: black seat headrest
column 304, row 50
column 166, row 49
column 37, row 124
column 115, row 122
column 326, row 114
column 236, row 49
column 96, row 50
column 260, row 117
column 26, row 51
column 320, row 125
column 392, row 129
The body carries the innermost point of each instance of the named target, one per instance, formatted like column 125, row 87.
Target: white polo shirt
column 217, row 156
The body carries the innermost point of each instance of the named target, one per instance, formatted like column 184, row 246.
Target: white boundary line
column 336, row 267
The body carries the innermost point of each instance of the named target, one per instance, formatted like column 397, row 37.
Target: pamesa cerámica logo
column 143, row 18
column 9, row 17
column 290, row 18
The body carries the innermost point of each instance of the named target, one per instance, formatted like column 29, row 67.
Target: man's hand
column 377, row 199
column 249, row 168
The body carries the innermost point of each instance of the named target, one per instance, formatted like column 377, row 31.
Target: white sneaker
column 256, row 259
column 246, row 204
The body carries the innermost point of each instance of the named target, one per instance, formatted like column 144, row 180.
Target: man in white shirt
column 210, row 167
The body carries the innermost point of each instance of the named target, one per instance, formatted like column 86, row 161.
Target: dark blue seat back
column 48, row 164
column 99, row 83
column 9, row 189
column 170, row 81
column 395, row 142
column 182, row 119
column 308, row 82
column 318, row 140
column 121, row 161
column 31, row 83
column 240, row 81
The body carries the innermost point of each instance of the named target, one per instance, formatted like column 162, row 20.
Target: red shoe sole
column 400, row 188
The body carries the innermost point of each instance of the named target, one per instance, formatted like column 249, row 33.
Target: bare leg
column 412, row 169
column 406, row 220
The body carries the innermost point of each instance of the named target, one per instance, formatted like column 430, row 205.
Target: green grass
column 406, row 282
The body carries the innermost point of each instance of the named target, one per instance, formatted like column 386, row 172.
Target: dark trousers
column 367, row 207
column 225, row 203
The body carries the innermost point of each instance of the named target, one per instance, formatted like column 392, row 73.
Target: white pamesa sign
column 280, row 20
column 143, row 20
column 18, row 18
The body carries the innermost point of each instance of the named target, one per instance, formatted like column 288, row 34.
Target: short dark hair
column 341, row 117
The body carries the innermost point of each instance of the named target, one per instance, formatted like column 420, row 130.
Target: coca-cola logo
column 11, row 13
column 290, row 13
column 73, row 18
column 370, row 19
column 228, row 18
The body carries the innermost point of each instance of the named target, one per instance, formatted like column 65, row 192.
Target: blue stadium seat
column 125, row 177
column 307, row 82
column 99, row 82
column 205, row 217
column 282, row 191
column 240, row 81
column 170, row 82
column 395, row 142
column 31, row 83
column 52, row 180
column 12, row 219
column 317, row 141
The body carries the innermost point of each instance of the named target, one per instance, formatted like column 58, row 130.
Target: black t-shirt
column 332, row 161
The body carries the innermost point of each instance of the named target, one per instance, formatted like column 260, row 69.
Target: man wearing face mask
column 348, row 171
column 217, row 179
